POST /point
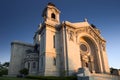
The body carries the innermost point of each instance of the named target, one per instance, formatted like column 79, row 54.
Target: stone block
column 83, row 72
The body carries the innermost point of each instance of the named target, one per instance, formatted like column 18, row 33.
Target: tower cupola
column 51, row 13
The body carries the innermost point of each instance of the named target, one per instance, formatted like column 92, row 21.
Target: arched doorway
column 89, row 54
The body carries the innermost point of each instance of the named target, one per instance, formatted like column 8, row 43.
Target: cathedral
column 60, row 48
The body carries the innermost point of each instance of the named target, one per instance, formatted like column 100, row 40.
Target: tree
column 6, row 64
column 3, row 71
column 4, row 68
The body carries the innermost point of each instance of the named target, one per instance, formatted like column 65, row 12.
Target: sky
column 19, row 20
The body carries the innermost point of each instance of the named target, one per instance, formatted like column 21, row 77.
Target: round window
column 83, row 47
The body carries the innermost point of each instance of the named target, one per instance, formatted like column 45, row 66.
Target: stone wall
column 18, row 51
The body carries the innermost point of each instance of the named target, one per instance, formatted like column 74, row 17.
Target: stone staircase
column 84, row 74
column 103, row 77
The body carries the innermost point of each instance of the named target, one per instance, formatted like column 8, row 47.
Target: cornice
column 76, row 28
column 22, row 43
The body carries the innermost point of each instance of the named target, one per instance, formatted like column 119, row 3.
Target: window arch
column 41, row 61
column 28, row 65
column 54, row 61
column 53, row 16
column 34, row 64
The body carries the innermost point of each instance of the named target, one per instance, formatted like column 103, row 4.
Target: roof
column 22, row 43
column 81, row 24
column 77, row 24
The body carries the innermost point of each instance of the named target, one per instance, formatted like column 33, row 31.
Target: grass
column 52, row 77
column 40, row 78
column 14, row 78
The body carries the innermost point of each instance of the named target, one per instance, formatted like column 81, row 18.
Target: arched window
column 34, row 65
column 41, row 61
column 54, row 61
column 53, row 41
column 53, row 16
column 28, row 65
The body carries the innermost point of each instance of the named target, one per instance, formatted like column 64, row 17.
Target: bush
column 52, row 77
column 24, row 71
column 0, row 74
column 3, row 71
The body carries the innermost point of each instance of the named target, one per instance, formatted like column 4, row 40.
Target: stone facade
column 18, row 54
column 60, row 48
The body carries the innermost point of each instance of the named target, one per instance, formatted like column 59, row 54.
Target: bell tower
column 49, row 58
column 51, row 14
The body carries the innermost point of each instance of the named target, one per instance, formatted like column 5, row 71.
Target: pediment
column 89, row 30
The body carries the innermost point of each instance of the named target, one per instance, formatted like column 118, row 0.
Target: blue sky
column 19, row 20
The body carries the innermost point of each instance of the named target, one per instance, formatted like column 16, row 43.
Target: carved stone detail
column 89, row 31
column 84, row 59
column 82, row 29
column 103, row 46
column 88, row 61
column 70, row 34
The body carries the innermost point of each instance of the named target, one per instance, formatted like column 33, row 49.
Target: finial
column 85, row 20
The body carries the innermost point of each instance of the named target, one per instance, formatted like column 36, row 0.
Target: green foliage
column 0, row 73
column 52, row 78
column 24, row 71
column 3, row 71
column 13, row 78
column 40, row 78
column 4, row 68
column 6, row 64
